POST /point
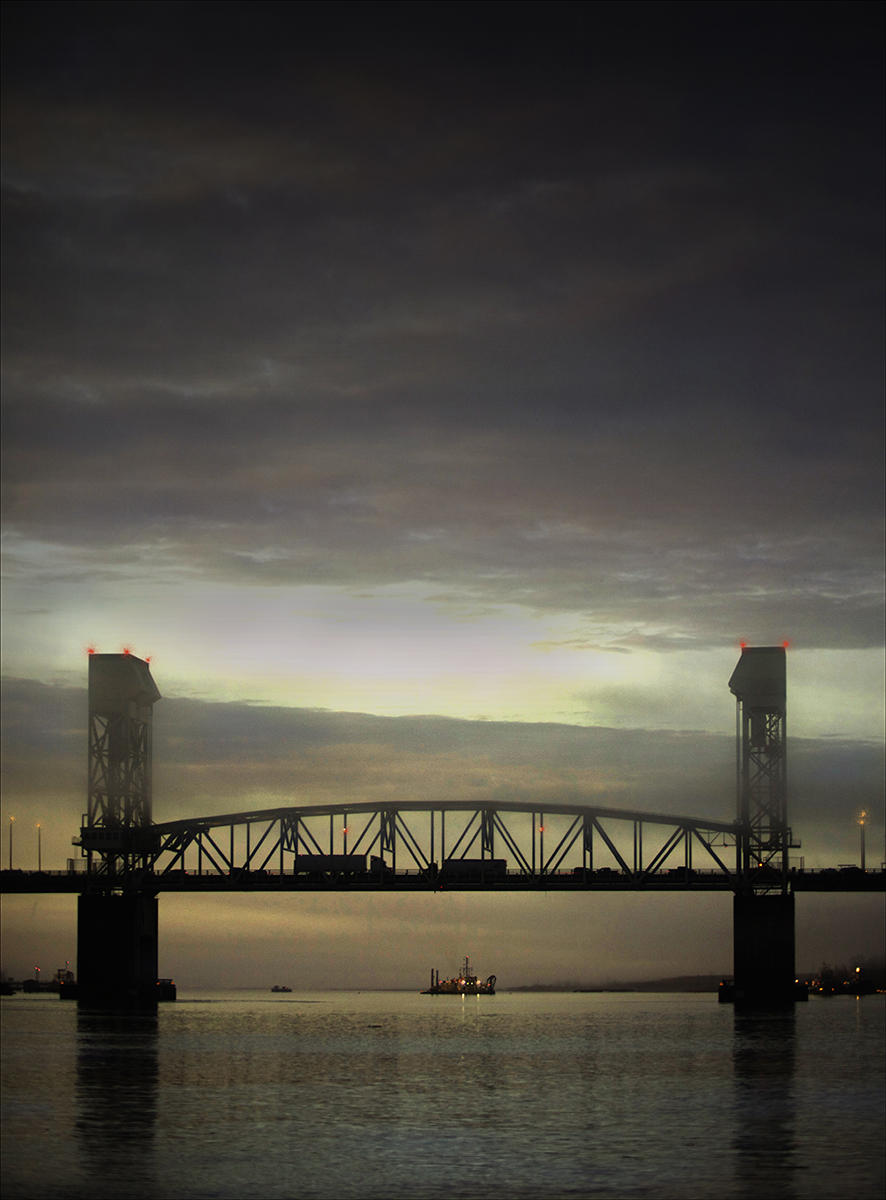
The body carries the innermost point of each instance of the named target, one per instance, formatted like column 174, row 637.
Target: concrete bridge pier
column 763, row 950
column 117, row 950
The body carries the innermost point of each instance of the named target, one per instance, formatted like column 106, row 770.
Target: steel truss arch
column 455, row 844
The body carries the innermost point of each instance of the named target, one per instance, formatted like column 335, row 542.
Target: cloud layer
column 583, row 322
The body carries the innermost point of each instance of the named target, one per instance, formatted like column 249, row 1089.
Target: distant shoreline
column 676, row 983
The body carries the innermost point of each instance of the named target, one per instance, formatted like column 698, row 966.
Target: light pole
column 39, row 847
column 11, row 823
column 861, row 834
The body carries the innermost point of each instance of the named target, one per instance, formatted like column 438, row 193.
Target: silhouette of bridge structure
column 127, row 859
column 414, row 846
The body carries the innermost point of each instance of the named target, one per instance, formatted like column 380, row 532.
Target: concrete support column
column 117, row 950
column 763, row 949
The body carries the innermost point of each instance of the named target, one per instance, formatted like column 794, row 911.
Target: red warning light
column 127, row 650
column 743, row 644
column 786, row 644
column 147, row 658
column 90, row 649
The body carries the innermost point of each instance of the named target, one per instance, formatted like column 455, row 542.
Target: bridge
column 127, row 859
column 413, row 846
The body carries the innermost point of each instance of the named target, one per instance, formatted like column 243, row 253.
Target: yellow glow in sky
column 405, row 650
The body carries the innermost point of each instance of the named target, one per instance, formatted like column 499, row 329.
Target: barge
column 464, row 984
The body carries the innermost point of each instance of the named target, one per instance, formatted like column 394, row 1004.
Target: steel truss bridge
column 414, row 846
column 126, row 859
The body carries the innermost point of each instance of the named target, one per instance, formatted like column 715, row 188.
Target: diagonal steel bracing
column 449, row 844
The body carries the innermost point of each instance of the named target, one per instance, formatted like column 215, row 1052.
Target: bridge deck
column 75, row 882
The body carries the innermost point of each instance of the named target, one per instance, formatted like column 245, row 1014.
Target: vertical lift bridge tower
column 117, row 929
column 763, row 913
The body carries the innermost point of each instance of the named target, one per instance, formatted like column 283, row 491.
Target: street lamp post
column 39, row 847
column 861, row 835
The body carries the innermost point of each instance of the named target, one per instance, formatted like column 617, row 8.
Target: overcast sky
column 502, row 366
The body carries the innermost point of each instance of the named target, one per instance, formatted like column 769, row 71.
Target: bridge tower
column 763, row 907
column 116, row 919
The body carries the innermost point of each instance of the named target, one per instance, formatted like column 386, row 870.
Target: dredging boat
column 465, row 984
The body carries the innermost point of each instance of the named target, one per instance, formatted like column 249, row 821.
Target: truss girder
column 522, row 863
column 708, row 844
column 500, row 841
column 675, row 838
column 610, row 845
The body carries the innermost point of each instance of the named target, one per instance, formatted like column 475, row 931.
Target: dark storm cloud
column 571, row 306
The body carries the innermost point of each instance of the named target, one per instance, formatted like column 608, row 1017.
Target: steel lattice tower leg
column 763, row 910
column 116, row 919
column 759, row 685
column 121, row 698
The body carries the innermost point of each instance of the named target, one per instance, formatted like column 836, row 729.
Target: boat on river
column 464, row 984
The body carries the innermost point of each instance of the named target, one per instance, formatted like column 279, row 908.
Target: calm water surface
column 377, row 1095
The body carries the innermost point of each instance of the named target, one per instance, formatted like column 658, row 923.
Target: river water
column 391, row 1094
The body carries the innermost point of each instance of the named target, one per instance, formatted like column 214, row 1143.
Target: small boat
column 166, row 989
column 726, row 992
column 465, row 984
column 278, row 988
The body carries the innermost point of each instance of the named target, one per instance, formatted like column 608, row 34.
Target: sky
column 439, row 394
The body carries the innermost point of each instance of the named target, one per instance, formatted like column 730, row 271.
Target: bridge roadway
column 76, row 882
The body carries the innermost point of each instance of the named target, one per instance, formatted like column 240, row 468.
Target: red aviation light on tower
column 785, row 645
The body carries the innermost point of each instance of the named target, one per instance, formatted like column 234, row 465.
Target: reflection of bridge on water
column 412, row 845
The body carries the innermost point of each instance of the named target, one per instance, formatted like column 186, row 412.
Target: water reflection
column 763, row 1055
column 117, row 1083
